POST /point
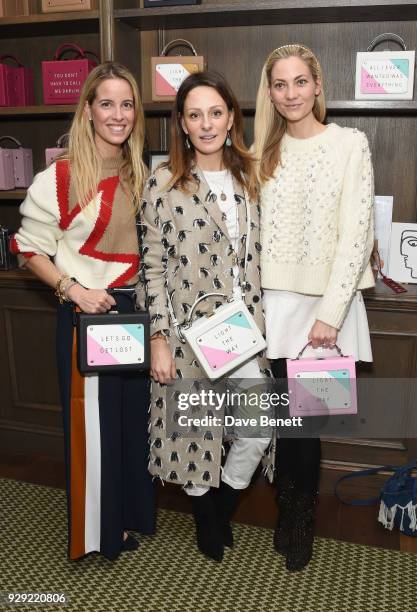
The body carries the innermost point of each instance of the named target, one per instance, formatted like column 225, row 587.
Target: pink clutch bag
column 6, row 169
column 16, row 83
column 53, row 152
column 63, row 79
column 322, row 386
column 22, row 165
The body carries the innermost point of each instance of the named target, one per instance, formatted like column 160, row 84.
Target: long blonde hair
column 82, row 151
column 270, row 126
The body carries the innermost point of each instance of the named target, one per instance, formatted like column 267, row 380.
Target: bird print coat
column 186, row 252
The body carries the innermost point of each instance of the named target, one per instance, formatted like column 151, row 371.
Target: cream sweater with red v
column 97, row 245
column 317, row 220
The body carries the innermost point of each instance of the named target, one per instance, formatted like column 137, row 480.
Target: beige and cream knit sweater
column 317, row 220
column 98, row 245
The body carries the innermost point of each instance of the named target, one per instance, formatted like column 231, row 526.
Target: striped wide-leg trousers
column 109, row 488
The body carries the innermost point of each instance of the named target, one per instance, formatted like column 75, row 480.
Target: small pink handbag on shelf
column 53, row 152
column 6, row 169
column 322, row 385
column 16, row 166
column 63, row 79
column 16, row 83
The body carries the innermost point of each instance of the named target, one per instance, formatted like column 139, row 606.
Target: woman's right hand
column 92, row 301
column 163, row 368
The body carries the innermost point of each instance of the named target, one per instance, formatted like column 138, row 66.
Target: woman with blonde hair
column 317, row 237
column 78, row 236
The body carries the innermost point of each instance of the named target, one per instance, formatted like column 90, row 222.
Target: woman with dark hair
column 195, row 222
column 78, row 236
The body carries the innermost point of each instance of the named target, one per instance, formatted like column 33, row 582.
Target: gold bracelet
column 58, row 288
column 66, row 286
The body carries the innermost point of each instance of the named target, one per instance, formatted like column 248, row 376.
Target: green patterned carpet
column 168, row 574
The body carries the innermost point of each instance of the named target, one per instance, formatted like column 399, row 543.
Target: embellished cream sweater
column 317, row 220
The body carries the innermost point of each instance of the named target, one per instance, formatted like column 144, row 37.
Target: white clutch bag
column 224, row 339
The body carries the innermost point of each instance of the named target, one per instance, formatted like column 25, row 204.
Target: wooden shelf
column 268, row 12
column 49, row 24
column 19, row 277
column 382, row 297
column 40, row 111
column 14, row 194
column 334, row 107
column 373, row 107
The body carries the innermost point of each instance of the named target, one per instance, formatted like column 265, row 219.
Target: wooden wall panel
column 32, row 360
column 395, row 356
column 394, row 153
column 9, row 214
column 28, row 373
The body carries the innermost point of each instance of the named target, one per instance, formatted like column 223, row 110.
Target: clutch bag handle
column 176, row 324
column 12, row 57
column 68, row 47
column 61, row 140
column 11, row 138
column 387, row 36
column 309, row 343
column 178, row 42
column 201, row 299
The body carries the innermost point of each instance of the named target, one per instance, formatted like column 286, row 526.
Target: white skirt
column 290, row 316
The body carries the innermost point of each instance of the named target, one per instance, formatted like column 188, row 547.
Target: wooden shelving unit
column 41, row 111
column 49, row 24
column 14, row 194
column 32, row 39
column 268, row 12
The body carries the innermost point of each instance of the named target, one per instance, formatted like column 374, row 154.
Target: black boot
column 300, row 548
column 285, row 495
column 226, row 500
column 209, row 540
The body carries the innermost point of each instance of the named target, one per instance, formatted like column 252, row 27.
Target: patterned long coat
column 186, row 252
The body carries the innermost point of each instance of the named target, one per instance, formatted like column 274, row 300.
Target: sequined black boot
column 209, row 538
column 226, row 500
column 300, row 549
column 285, row 495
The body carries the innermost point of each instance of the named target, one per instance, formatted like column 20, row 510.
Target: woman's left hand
column 322, row 334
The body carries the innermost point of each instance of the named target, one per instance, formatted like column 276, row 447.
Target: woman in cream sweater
column 317, row 236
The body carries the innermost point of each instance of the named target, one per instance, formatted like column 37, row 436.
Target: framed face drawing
column 155, row 158
column 403, row 252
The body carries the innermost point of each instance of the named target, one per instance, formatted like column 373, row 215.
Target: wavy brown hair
column 236, row 158
column 82, row 152
column 270, row 126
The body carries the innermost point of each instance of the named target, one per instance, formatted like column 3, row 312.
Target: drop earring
column 228, row 142
column 188, row 143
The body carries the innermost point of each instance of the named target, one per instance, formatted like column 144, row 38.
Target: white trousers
column 245, row 453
